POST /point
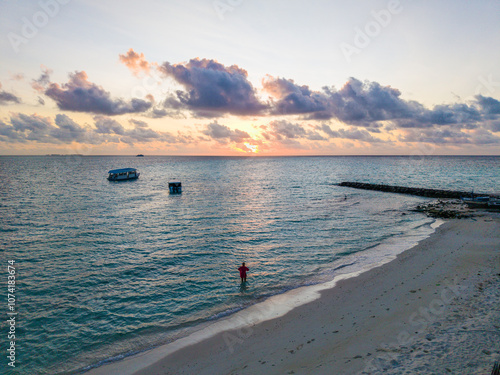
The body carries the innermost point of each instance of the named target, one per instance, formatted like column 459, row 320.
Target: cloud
column 64, row 130
column 23, row 128
column 489, row 106
column 284, row 132
column 7, row 97
column 294, row 99
column 106, row 125
column 67, row 130
column 213, row 90
column 30, row 128
column 81, row 95
column 43, row 81
column 286, row 129
column 450, row 136
column 17, row 77
column 350, row 133
column 368, row 104
column 223, row 134
column 494, row 126
column 140, row 133
column 135, row 62
column 356, row 103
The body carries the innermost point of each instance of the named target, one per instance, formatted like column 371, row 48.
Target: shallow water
column 107, row 269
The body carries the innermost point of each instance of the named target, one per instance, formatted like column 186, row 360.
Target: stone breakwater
column 422, row 192
column 449, row 209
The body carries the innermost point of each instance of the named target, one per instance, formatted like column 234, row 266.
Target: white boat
column 123, row 174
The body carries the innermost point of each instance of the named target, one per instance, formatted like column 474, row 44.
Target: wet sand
column 434, row 309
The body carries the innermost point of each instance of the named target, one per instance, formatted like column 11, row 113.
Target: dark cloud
column 80, row 95
column 43, row 81
column 169, row 107
column 223, row 134
column 284, row 131
column 356, row 103
column 484, row 137
column 294, row 99
column 212, row 89
column 368, row 104
column 63, row 130
column 494, row 126
column 67, row 130
column 32, row 128
column 490, row 106
column 7, row 97
column 450, row 136
column 436, row 136
column 351, row 133
column 9, row 134
column 106, row 125
column 140, row 133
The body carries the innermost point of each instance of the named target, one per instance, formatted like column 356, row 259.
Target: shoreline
column 277, row 305
column 363, row 323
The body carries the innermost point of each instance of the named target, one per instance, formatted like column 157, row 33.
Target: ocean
column 108, row 269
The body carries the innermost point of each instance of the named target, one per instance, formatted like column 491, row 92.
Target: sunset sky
column 242, row 77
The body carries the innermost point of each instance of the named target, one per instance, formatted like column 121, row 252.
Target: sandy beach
column 434, row 309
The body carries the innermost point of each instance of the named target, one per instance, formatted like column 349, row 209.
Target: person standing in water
column 243, row 272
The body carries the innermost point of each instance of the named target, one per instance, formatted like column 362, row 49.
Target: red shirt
column 243, row 271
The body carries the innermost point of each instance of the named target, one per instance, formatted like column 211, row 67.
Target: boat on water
column 139, row 156
column 494, row 203
column 482, row 202
column 476, row 202
column 123, row 174
column 175, row 187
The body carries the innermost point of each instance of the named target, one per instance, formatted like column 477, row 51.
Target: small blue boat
column 123, row 174
column 175, row 187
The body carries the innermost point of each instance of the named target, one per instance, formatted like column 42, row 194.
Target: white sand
column 433, row 310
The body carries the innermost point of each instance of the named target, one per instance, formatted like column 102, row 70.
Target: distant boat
column 139, row 156
column 123, row 174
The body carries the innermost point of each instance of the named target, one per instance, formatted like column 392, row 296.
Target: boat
column 139, row 156
column 477, row 202
column 175, row 187
column 494, row 203
column 123, row 174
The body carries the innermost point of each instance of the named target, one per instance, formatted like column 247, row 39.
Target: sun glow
column 252, row 148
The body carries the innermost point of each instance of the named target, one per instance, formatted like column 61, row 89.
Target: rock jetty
column 421, row 192
column 450, row 209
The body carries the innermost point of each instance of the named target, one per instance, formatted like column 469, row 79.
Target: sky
column 241, row 77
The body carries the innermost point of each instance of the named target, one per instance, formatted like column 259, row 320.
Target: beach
column 433, row 309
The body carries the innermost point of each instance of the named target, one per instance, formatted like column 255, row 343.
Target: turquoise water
column 108, row 269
